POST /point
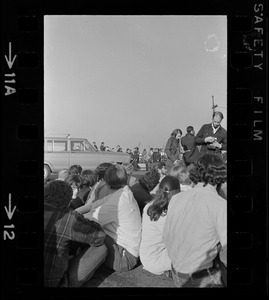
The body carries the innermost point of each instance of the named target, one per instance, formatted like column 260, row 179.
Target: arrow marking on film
column 9, row 211
column 9, row 60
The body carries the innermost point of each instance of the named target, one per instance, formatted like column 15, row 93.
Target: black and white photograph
column 135, row 151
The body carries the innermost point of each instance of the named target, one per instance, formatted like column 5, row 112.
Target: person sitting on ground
column 75, row 169
column 182, row 174
column 87, row 184
column 153, row 252
column 119, row 215
column 196, row 223
column 145, row 185
column 75, row 181
column 161, row 168
column 129, row 170
column 61, row 226
column 62, row 174
column 99, row 189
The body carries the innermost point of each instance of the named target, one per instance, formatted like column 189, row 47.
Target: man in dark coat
column 191, row 151
column 212, row 137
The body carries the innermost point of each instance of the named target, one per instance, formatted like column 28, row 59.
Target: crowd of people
column 172, row 219
column 146, row 157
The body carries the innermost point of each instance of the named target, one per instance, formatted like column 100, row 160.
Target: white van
column 62, row 152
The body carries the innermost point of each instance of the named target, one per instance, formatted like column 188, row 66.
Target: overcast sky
column 132, row 80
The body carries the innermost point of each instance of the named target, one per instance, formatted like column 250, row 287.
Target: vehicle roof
column 65, row 138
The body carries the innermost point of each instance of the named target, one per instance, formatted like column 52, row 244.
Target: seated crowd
column 173, row 223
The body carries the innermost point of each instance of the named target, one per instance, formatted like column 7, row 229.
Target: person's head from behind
column 177, row 133
column 63, row 174
column 190, row 130
column 75, row 169
column 115, row 177
column 160, row 166
column 169, row 186
column 181, row 173
column 129, row 168
column 87, row 178
column 100, row 171
column 58, row 193
column 150, row 179
column 75, row 181
column 217, row 118
column 209, row 169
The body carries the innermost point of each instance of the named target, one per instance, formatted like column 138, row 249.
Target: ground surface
column 138, row 277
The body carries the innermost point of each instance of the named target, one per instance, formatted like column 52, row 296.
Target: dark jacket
column 172, row 150
column 141, row 195
column 156, row 156
column 207, row 130
column 192, row 152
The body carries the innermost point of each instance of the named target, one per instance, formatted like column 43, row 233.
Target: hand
column 210, row 139
column 75, row 192
column 217, row 145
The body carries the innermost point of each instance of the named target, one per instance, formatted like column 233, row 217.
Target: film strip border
column 22, row 151
column 247, row 138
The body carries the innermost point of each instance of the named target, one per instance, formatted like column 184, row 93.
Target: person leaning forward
column 212, row 137
column 62, row 227
column 173, row 148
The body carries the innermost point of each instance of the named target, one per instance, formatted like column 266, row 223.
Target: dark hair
column 157, row 165
column 150, row 179
column 75, row 169
column 99, row 172
column 218, row 113
column 175, row 132
column 189, row 129
column 169, row 186
column 74, row 178
column 209, row 169
column 58, row 192
column 116, row 177
column 87, row 178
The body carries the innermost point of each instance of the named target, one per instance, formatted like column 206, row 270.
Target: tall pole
column 213, row 104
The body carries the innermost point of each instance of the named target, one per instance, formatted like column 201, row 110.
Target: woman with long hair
column 153, row 253
column 173, row 149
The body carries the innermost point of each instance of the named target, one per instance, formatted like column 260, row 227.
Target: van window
column 59, row 146
column 77, row 146
column 49, row 145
